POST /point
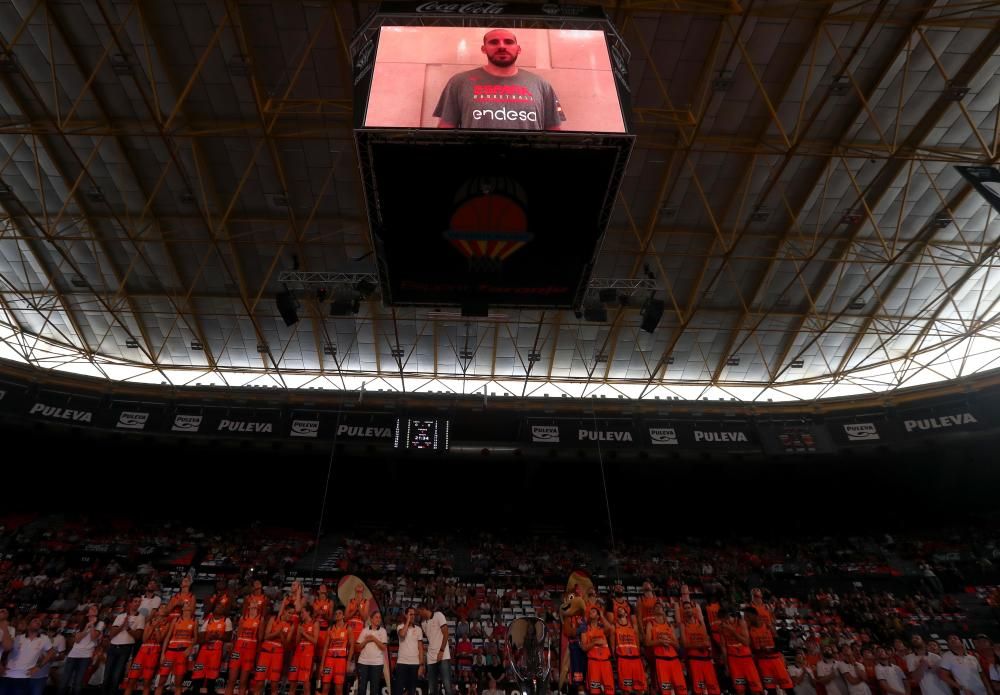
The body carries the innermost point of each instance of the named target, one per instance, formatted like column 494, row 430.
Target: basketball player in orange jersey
column 646, row 604
column 593, row 600
column 183, row 598
column 697, row 648
column 295, row 598
column 323, row 609
column 323, row 606
column 242, row 659
column 271, row 659
column 148, row 657
column 660, row 635
column 223, row 596
column 357, row 612
column 618, row 601
column 712, row 608
column 216, row 630
column 178, row 643
column 338, row 649
column 770, row 662
column 736, row 638
column 764, row 610
column 595, row 643
column 626, row 647
column 256, row 598
column 300, row 670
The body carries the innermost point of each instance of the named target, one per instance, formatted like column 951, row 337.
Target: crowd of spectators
column 55, row 576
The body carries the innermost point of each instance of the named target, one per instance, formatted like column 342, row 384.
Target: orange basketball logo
column 489, row 223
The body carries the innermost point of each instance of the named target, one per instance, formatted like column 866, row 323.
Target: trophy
column 529, row 654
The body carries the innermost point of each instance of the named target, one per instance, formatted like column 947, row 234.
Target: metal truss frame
column 51, row 323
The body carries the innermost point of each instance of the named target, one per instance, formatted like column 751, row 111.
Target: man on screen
column 499, row 95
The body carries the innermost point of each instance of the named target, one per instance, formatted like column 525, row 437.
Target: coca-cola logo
column 463, row 7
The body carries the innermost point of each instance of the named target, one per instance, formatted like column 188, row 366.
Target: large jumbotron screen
column 493, row 79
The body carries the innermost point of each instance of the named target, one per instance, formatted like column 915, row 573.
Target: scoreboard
column 422, row 434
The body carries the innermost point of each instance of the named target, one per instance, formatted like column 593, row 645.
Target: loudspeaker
column 342, row 306
column 287, row 307
column 598, row 314
column 606, row 296
column 652, row 312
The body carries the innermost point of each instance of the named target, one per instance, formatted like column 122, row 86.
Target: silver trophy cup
column 529, row 653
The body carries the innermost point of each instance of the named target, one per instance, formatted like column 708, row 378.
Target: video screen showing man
column 499, row 95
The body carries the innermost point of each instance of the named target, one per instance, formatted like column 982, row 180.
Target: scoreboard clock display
column 423, row 434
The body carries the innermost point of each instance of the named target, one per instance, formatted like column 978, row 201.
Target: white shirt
column 435, row 637
column 59, row 647
column 965, row 670
column 409, row 649
column 10, row 630
column 135, row 622
column 25, row 655
column 806, row 687
column 837, row 686
column 856, row 670
column 371, row 655
column 931, row 683
column 892, row 675
column 83, row 645
column 148, row 606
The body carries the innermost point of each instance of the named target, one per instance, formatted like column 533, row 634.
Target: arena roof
column 792, row 198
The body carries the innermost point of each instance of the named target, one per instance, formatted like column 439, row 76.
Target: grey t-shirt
column 477, row 99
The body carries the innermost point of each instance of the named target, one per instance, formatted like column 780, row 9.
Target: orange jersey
column 695, row 635
column 660, row 630
column 357, row 608
column 338, row 641
column 185, row 630
column 155, row 631
column 323, row 608
column 620, row 603
column 599, row 652
column 712, row 613
column 181, row 601
column 626, row 641
column 249, row 628
column 734, row 647
column 311, row 630
column 761, row 638
column 253, row 600
column 223, row 600
column 287, row 633
column 646, row 606
column 763, row 611
column 215, row 628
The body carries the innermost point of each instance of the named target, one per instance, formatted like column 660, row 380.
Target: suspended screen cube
column 492, row 145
